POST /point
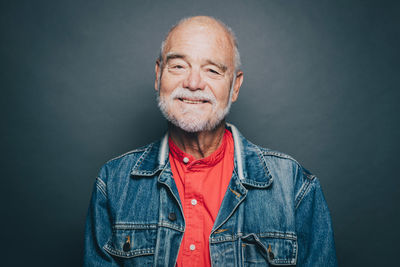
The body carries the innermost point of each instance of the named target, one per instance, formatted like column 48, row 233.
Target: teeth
column 192, row 101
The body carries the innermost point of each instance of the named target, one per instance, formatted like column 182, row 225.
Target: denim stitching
column 144, row 226
column 261, row 157
column 171, row 226
column 280, row 155
column 140, row 160
column 286, row 236
column 133, row 226
column 303, row 192
column 101, row 186
column 236, row 193
column 276, row 235
column 130, row 152
column 137, row 252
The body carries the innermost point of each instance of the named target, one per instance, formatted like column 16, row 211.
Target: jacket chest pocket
column 132, row 245
column 269, row 250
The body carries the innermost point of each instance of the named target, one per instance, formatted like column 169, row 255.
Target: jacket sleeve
column 316, row 245
column 98, row 228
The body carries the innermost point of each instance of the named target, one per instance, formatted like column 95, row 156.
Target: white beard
column 191, row 121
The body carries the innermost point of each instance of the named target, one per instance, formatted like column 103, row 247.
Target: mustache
column 180, row 92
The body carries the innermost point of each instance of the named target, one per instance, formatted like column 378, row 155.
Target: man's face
column 196, row 77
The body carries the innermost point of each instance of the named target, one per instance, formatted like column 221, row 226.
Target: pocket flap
column 279, row 249
column 129, row 242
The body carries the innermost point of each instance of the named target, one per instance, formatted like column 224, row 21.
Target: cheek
column 168, row 85
column 222, row 94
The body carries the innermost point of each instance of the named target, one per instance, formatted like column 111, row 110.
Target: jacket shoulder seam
column 272, row 153
column 138, row 150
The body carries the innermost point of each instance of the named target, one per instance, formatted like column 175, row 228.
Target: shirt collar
column 209, row 161
column 248, row 158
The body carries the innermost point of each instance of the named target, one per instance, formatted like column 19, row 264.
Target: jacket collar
column 250, row 165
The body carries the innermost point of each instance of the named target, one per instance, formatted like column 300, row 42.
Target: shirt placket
column 194, row 229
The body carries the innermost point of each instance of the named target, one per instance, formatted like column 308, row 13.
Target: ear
column 157, row 72
column 237, row 85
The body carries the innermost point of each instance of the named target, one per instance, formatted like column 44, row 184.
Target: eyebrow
column 173, row 55
column 219, row 65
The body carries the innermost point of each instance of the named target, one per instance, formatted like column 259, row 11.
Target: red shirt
column 201, row 185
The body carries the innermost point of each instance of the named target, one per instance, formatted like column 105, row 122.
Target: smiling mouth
column 189, row 101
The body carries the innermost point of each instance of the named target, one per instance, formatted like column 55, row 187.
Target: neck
column 199, row 144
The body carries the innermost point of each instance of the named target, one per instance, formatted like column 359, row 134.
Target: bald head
column 204, row 23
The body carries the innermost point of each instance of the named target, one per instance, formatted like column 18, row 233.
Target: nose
column 194, row 81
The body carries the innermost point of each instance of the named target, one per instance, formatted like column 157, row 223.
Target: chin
column 193, row 124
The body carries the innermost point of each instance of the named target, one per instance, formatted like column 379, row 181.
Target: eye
column 177, row 68
column 213, row 71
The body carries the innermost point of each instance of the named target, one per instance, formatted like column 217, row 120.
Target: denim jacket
column 273, row 212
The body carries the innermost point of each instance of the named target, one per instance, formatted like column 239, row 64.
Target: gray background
column 321, row 84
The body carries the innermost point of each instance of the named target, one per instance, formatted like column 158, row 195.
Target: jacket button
column 271, row 255
column 172, row 216
column 127, row 246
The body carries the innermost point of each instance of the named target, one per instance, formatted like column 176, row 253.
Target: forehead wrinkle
column 178, row 55
column 204, row 22
column 198, row 24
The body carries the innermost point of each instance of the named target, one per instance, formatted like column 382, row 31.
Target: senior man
column 204, row 195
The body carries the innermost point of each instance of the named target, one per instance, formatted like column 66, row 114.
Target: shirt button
column 194, row 202
column 192, row 247
column 185, row 160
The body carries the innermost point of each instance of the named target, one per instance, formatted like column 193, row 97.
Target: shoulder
column 285, row 160
column 277, row 155
column 285, row 170
column 122, row 165
column 276, row 165
column 289, row 174
column 132, row 154
column 272, row 158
